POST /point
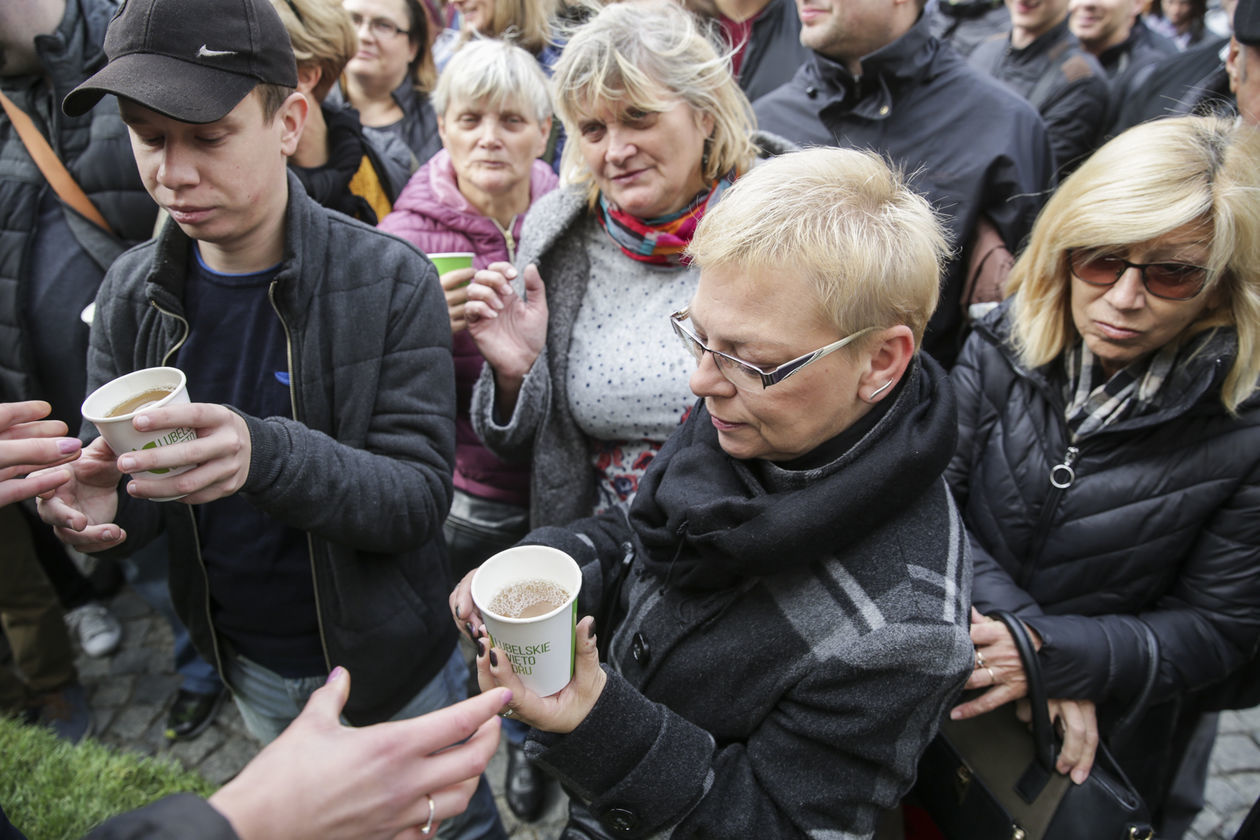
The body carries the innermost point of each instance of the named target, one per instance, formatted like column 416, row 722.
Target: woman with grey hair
column 494, row 115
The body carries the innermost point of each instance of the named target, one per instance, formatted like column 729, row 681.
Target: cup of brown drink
column 527, row 596
column 113, row 406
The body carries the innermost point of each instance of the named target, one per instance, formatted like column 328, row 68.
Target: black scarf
column 706, row 521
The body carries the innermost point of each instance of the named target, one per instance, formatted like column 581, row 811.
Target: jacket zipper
column 192, row 519
column 508, row 239
column 1062, row 476
column 310, row 543
column 166, row 357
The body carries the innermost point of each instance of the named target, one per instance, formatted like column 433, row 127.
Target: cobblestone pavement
column 129, row 692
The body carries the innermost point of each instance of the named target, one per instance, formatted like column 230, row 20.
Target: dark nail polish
column 457, row 615
column 494, row 660
column 481, row 649
column 592, row 628
column 471, row 633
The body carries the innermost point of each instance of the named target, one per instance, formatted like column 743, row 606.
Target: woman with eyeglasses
column 389, row 78
column 783, row 611
column 1108, row 464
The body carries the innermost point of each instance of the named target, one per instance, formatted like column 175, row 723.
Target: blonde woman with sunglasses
column 1108, row 464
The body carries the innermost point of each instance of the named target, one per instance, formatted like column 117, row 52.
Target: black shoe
column 526, row 785
column 191, row 713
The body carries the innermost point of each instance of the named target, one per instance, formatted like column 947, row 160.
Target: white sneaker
column 98, row 632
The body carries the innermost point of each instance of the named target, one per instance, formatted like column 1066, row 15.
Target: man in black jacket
column 1042, row 61
column 877, row 78
column 1113, row 31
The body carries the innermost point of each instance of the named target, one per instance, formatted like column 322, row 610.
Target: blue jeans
column 269, row 702
column 146, row 571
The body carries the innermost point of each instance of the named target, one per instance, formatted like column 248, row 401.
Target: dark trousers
column 31, row 618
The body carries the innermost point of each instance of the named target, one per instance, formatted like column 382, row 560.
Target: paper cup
column 541, row 649
column 118, row 430
column 451, row 261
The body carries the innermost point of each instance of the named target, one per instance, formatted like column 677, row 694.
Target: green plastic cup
column 451, row 261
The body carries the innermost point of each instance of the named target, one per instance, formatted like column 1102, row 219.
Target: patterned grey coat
column 781, row 644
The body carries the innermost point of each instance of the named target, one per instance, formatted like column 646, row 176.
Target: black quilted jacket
column 1162, row 520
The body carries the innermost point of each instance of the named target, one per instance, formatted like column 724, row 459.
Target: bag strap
column 54, row 171
column 1043, row 733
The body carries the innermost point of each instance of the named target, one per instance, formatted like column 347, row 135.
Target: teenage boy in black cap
column 318, row 352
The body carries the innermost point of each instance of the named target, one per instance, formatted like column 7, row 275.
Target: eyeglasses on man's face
column 1167, row 280
column 743, row 374
column 379, row 27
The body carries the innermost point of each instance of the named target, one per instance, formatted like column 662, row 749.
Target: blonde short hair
column 322, row 36
column 1149, row 181
column 647, row 55
column 871, row 247
column 526, row 23
column 497, row 73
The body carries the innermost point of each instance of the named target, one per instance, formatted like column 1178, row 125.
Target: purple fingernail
column 494, row 660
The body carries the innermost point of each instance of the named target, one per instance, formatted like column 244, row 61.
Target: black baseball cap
column 1247, row 23
column 191, row 60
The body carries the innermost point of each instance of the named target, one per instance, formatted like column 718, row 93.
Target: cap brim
column 181, row 90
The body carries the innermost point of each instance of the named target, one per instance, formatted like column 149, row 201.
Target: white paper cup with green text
column 527, row 596
column 113, row 406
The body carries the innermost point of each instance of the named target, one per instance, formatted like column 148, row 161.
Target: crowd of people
column 814, row 333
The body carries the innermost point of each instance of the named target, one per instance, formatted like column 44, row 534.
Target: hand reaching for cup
column 31, row 444
column 323, row 779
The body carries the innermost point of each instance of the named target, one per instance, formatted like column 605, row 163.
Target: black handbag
column 991, row 778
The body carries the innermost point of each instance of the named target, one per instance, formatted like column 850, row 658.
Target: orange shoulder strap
column 54, row 170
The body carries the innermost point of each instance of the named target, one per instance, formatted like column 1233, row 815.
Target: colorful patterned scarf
column 660, row 241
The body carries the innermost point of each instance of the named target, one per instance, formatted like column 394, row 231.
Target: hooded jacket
column 432, row 214
column 364, row 467
column 781, row 644
column 968, row 144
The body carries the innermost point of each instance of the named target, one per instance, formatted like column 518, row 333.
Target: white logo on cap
column 204, row 52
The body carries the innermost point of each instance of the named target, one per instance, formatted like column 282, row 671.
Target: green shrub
column 52, row 790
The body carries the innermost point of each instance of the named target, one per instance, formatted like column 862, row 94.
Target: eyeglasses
column 1167, row 280
column 379, row 27
column 743, row 374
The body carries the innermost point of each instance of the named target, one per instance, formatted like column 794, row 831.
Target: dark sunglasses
column 1167, row 280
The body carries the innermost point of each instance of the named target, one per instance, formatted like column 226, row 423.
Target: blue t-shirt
column 262, row 596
